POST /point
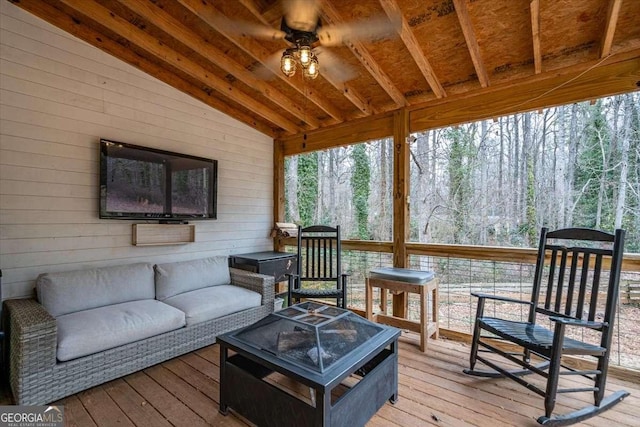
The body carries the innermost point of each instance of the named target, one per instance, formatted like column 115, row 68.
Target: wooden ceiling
column 444, row 50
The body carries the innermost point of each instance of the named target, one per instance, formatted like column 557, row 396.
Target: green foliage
column 631, row 221
column 531, row 226
column 360, row 186
column 308, row 188
column 459, row 168
column 473, row 187
column 593, row 166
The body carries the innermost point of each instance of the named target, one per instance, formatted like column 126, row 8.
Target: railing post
column 278, row 191
column 400, row 201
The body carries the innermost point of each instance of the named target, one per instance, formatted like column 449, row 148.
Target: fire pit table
column 349, row 364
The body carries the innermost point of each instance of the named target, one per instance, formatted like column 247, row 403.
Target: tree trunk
column 291, row 190
column 571, row 164
column 484, row 183
column 624, row 161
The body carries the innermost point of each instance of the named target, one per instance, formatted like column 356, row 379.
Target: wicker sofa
column 88, row 327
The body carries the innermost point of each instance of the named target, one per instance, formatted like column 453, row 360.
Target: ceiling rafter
column 472, row 42
column 535, row 33
column 392, row 9
column 332, row 16
column 271, row 13
column 206, row 11
column 144, row 41
column 351, row 94
column 345, row 88
column 610, row 29
column 79, row 29
column 212, row 74
column 190, row 39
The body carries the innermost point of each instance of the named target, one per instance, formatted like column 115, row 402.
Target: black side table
column 270, row 263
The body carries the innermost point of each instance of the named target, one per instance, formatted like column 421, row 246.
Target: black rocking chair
column 319, row 270
column 567, row 291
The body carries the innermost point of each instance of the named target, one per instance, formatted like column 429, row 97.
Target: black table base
column 243, row 388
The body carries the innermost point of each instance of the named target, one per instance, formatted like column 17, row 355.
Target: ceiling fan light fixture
column 305, row 55
column 288, row 64
column 312, row 70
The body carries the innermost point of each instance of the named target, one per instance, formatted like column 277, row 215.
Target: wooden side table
column 399, row 280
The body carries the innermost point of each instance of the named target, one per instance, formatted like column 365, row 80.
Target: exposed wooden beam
column 209, row 14
column 472, row 42
column 133, row 34
column 610, row 28
column 365, row 129
column 251, row 6
column 345, row 88
column 350, row 93
column 392, row 9
column 594, row 79
column 332, row 16
column 535, row 33
column 619, row 73
column 400, row 187
column 56, row 17
column 271, row 14
column 401, row 180
column 177, row 30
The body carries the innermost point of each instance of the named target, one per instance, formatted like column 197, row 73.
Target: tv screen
column 145, row 183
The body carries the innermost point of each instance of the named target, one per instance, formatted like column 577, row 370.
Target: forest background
column 493, row 182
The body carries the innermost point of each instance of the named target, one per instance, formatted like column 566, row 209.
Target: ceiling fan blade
column 333, row 67
column 238, row 27
column 371, row 29
column 301, row 15
column 269, row 68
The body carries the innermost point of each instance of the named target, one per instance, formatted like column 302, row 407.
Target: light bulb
column 288, row 64
column 305, row 55
column 312, row 70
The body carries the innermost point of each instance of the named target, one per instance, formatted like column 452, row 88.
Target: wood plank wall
column 58, row 96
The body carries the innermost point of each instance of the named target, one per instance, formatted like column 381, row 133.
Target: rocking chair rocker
column 572, row 300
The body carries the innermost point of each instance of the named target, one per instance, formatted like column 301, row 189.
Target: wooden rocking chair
column 568, row 292
column 319, row 269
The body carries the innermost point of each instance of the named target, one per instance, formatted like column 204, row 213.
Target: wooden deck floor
column 433, row 391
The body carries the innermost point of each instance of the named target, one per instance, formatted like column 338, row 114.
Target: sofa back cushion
column 72, row 291
column 178, row 277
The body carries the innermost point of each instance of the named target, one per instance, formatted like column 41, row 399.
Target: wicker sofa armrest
column 260, row 283
column 32, row 340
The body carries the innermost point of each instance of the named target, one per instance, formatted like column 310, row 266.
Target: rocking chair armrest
column 578, row 322
column 500, row 298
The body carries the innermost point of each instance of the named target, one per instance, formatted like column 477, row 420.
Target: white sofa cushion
column 91, row 331
column 213, row 302
column 72, row 291
column 178, row 277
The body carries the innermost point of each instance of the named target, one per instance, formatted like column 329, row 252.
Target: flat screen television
column 147, row 184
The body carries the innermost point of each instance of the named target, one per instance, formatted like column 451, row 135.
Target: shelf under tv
column 163, row 234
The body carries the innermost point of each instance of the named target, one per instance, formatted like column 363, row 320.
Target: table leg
column 394, row 397
column 435, row 308
column 224, row 408
column 400, row 302
column 368, row 295
column 383, row 300
column 424, row 320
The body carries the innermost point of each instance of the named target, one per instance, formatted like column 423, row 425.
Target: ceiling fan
column 307, row 36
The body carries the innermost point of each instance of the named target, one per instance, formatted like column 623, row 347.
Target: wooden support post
column 278, row 190
column 400, row 199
